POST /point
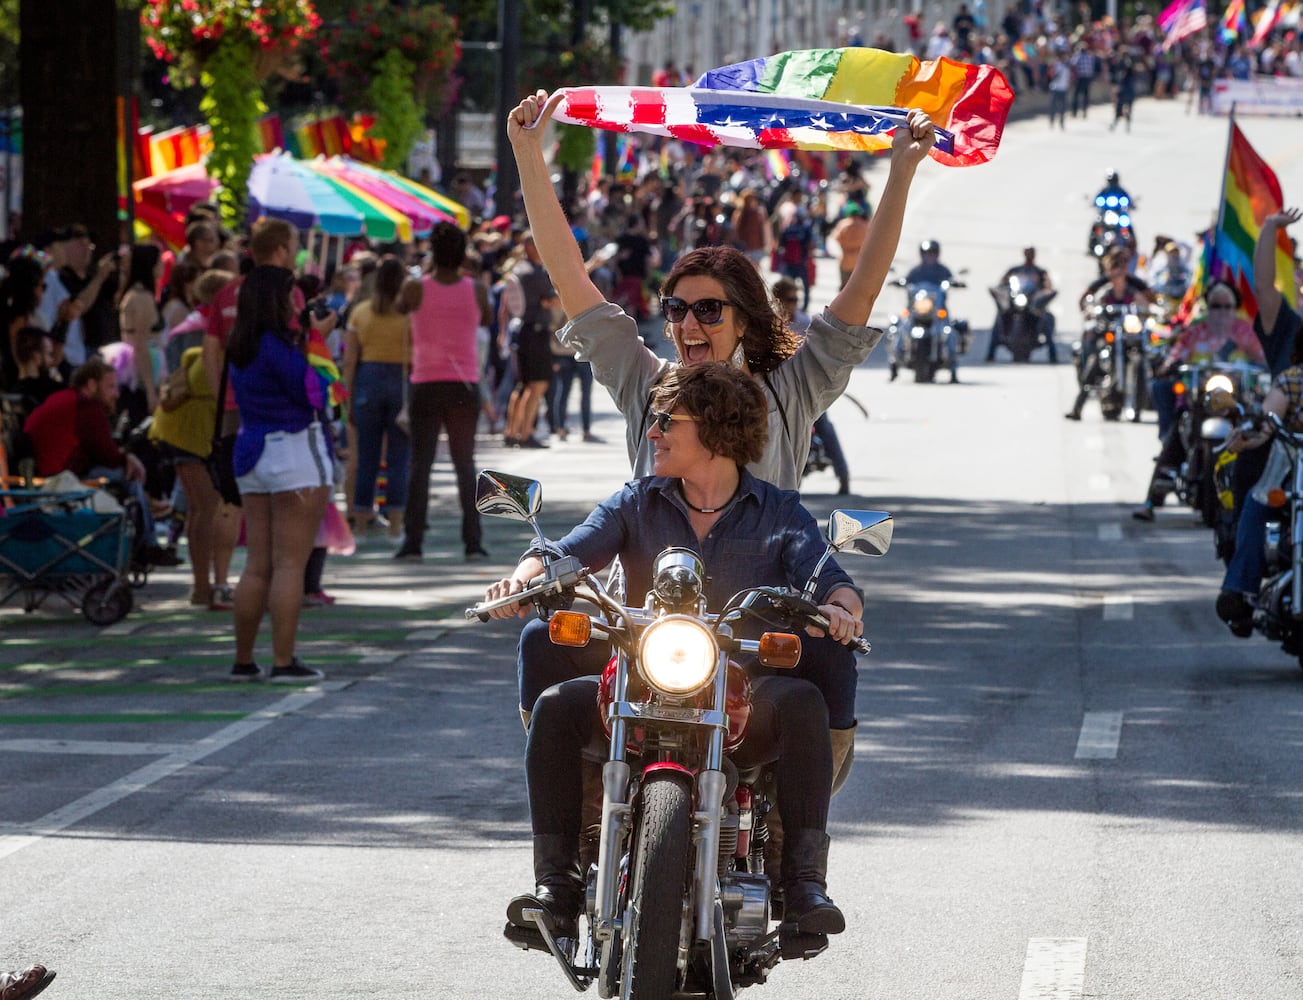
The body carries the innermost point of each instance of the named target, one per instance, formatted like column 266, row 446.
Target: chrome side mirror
column 867, row 532
column 502, row 495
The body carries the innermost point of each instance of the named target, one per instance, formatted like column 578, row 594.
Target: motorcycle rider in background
column 700, row 497
column 1244, row 571
column 785, row 297
column 1221, row 335
column 1038, row 279
column 1118, row 288
column 930, row 270
column 1113, row 189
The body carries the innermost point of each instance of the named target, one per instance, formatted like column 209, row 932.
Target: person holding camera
column 376, row 352
column 283, row 462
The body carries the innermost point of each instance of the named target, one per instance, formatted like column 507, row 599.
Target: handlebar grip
column 858, row 643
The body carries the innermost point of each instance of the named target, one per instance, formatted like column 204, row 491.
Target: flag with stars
column 814, row 99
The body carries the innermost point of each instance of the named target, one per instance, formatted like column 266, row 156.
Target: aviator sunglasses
column 663, row 420
column 707, row 311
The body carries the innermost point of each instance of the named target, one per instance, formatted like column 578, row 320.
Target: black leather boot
column 805, row 884
column 559, row 892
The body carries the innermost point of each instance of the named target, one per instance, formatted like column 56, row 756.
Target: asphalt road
column 1070, row 782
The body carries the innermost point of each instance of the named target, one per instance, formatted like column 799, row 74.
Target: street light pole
column 508, row 178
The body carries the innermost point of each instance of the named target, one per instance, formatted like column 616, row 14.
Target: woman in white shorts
column 283, row 464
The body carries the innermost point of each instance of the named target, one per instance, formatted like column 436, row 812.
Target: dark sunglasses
column 707, row 311
column 663, row 420
column 1221, row 305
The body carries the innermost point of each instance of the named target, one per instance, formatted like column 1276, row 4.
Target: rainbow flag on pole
column 813, row 99
column 1234, row 23
column 1250, row 193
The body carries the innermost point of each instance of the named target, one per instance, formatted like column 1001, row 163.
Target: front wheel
column 1023, row 337
column 654, row 920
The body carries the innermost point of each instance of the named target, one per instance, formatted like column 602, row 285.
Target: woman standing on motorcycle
column 717, row 308
column 707, row 426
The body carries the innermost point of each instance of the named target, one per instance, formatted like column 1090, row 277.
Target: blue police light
column 1124, row 220
column 1111, row 201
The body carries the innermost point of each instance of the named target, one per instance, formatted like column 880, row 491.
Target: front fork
column 1296, row 541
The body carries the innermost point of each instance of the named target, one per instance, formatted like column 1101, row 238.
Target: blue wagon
column 57, row 543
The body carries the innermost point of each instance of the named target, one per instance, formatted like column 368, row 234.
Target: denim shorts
column 290, row 460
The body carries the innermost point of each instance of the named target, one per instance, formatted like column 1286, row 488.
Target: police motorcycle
column 677, row 900
column 1212, row 397
column 1112, row 225
column 924, row 336
column 1023, row 321
column 1279, row 611
column 1111, row 357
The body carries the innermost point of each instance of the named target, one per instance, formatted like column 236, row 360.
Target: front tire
column 1022, row 339
column 654, row 919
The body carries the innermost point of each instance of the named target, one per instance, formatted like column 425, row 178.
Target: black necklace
column 706, row 510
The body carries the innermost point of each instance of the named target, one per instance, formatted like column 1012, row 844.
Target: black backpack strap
column 782, row 410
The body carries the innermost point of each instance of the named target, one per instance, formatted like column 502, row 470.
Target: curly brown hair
column 767, row 341
column 731, row 410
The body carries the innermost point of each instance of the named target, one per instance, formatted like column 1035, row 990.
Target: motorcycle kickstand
column 580, row 978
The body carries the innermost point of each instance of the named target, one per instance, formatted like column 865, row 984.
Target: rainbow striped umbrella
column 458, row 212
column 422, row 216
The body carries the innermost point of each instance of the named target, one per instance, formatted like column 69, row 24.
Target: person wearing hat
column 848, row 236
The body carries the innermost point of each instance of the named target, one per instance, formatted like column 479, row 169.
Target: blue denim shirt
column 764, row 537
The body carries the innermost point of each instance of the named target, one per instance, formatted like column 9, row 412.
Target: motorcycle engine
column 746, row 908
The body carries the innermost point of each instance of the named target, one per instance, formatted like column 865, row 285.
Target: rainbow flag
column 323, row 364
column 1234, row 22
column 1264, row 23
column 1022, row 52
column 1198, row 280
column 776, row 168
column 1251, row 192
column 813, row 99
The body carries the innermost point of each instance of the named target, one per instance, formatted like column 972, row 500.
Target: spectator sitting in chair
column 72, row 430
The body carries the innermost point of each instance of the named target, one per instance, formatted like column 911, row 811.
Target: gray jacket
column 806, row 384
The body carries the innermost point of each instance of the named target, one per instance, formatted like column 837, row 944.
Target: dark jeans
column 1081, row 95
column 378, row 396
column 540, row 664
column 828, row 435
column 568, row 368
column 788, row 727
column 454, row 407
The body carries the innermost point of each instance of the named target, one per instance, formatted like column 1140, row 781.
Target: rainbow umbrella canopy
column 422, row 216
column 814, row 99
column 281, row 188
column 445, row 206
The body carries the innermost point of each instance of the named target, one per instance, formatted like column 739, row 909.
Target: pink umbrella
column 423, row 216
column 177, row 190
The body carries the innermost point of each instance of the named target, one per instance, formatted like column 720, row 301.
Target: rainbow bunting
column 815, row 99
column 1251, row 192
column 323, row 364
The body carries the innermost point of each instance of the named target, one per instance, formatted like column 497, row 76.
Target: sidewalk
column 166, row 659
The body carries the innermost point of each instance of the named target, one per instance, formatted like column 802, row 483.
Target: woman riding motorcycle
column 1117, row 288
column 708, row 425
column 1218, row 335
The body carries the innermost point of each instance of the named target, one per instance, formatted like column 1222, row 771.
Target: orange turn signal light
column 1178, row 389
column 781, row 650
column 569, row 628
column 1108, row 337
column 1276, row 497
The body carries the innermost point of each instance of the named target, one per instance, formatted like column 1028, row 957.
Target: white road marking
column 102, row 798
column 1055, row 969
column 1118, row 608
column 93, row 748
column 1110, row 532
column 1099, row 737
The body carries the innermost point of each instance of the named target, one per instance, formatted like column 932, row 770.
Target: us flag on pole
column 1181, row 19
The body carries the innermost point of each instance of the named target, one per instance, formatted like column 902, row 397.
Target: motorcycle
column 678, row 899
column 1023, row 321
column 1112, row 226
column 1279, row 611
column 819, row 457
column 1211, row 397
column 1112, row 359
column 920, row 336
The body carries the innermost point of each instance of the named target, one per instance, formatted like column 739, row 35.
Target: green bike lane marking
column 102, row 688
column 357, row 636
column 112, row 718
column 197, row 660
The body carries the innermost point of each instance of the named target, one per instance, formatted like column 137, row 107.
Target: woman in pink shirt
column 446, row 308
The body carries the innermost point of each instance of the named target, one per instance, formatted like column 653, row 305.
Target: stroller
column 59, row 543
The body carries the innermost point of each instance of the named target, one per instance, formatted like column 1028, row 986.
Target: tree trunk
column 69, row 85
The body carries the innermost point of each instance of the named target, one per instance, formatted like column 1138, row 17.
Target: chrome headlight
column 1131, row 323
column 923, row 304
column 677, row 655
column 1020, row 301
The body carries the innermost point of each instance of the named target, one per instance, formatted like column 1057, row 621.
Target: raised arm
column 1264, row 266
column 854, row 303
column 556, row 244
